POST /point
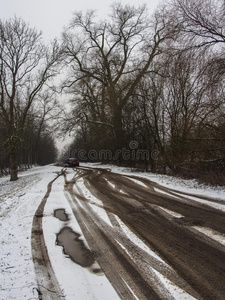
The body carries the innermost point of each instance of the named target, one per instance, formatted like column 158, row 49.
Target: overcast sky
column 50, row 16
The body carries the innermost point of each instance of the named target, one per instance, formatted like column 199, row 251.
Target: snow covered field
column 19, row 201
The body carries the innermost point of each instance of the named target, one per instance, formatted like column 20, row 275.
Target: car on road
column 72, row 162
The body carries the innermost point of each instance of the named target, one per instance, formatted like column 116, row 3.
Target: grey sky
column 50, row 16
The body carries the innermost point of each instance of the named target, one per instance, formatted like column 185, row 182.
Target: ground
column 102, row 232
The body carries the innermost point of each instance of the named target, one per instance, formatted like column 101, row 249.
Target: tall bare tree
column 25, row 66
column 115, row 53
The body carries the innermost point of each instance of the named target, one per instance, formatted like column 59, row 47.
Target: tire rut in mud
column 200, row 264
column 109, row 247
column 109, row 244
column 48, row 286
column 103, row 254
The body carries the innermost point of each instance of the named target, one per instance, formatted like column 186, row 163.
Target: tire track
column 134, row 262
column 200, row 264
column 142, row 261
column 191, row 210
column 113, row 260
column 194, row 263
column 48, row 286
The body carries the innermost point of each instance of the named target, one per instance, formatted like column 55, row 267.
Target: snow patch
column 213, row 234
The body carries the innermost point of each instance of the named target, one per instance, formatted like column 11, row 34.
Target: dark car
column 72, row 162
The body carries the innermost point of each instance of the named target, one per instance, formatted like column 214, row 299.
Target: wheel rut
column 199, row 263
column 48, row 286
column 176, row 250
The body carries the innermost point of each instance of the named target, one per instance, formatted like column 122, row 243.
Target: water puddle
column 73, row 245
column 61, row 214
column 75, row 249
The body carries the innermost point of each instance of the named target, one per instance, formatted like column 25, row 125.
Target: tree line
column 148, row 86
column 26, row 65
column 158, row 81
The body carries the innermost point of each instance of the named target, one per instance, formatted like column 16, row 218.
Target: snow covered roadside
column 19, row 201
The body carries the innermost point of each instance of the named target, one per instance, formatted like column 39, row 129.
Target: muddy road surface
column 166, row 221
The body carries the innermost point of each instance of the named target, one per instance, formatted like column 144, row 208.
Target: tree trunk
column 118, row 130
column 13, row 160
column 118, row 133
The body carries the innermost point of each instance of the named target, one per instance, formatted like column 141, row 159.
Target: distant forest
column 140, row 90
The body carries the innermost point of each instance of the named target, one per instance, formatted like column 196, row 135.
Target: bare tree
column 202, row 27
column 203, row 21
column 116, row 54
column 25, row 66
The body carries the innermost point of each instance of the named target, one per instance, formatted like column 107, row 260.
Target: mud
column 43, row 268
column 199, row 261
column 192, row 261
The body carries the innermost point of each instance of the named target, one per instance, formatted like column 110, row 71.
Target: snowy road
column 124, row 236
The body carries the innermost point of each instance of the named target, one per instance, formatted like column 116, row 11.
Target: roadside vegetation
column 136, row 82
column 26, row 65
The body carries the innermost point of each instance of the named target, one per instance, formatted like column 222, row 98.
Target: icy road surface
column 100, row 232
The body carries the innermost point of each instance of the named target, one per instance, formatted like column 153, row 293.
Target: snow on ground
column 182, row 185
column 83, row 283
column 18, row 203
